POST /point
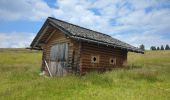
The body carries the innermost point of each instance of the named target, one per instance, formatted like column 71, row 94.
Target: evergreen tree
column 142, row 47
column 167, row 47
column 158, row 48
column 162, row 47
column 153, row 48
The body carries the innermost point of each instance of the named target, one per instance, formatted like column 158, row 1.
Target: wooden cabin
column 68, row 48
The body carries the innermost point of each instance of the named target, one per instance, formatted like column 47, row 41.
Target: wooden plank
column 48, row 68
column 50, row 36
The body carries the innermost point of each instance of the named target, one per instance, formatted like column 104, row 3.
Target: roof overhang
column 36, row 41
column 36, row 44
column 107, row 44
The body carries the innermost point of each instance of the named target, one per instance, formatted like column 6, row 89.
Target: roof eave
column 108, row 44
column 48, row 22
column 35, row 40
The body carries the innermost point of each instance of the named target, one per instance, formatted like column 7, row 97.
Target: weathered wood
column 41, row 35
column 78, row 55
column 59, row 58
column 106, row 53
column 63, row 52
column 48, row 68
column 54, row 31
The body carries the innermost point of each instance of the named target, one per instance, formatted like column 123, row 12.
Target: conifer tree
column 153, row 48
column 167, row 47
column 142, row 47
column 162, row 47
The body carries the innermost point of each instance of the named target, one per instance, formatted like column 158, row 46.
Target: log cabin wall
column 76, row 56
column 80, row 54
column 105, row 53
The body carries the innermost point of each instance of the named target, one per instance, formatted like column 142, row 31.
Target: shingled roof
column 78, row 32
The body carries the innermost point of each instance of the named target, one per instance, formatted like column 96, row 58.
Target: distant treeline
column 160, row 48
column 156, row 48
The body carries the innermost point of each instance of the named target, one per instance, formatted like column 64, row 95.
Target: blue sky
column 133, row 21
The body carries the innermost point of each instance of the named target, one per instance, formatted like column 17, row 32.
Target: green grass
column 147, row 77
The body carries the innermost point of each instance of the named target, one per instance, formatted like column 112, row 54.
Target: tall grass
column 146, row 78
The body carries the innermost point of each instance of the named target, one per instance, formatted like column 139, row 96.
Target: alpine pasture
column 147, row 77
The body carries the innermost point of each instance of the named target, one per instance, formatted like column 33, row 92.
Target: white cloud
column 24, row 9
column 127, row 20
column 15, row 39
column 147, row 38
column 133, row 24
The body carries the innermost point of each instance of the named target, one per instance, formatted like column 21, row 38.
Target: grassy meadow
column 147, row 77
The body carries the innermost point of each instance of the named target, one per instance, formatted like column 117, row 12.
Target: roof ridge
column 78, row 26
column 82, row 33
column 89, row 30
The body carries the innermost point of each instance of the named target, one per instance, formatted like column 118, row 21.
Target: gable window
column 94, row 59
column 112, row 61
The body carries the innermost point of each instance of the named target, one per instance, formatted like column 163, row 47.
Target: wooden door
column 58, row 59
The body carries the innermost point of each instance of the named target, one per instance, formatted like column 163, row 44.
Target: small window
column 112, row 61
column 94, row 59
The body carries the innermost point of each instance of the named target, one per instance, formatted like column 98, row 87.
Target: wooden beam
column 48, row 68
column 50, row 36
column 41, row 36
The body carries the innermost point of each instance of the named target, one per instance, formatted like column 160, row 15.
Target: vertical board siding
column 58, row 37
column 59, row 52
column 58, row 59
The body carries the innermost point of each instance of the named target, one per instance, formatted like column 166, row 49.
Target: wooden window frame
column 112, row 61
column 97, row 59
